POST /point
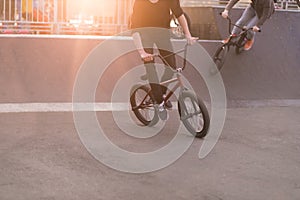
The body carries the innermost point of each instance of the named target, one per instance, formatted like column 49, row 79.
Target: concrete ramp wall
column 271, row 70
column 44, row 69
column 40, row 69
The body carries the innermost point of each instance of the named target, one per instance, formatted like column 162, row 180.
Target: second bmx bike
column 238, row 41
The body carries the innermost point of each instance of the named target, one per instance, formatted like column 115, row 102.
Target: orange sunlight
column 101, row 8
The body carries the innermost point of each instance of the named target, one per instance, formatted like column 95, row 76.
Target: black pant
column 161, row 38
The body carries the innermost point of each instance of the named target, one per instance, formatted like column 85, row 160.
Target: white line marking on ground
column 88, row 37
column 108, row 106
column 64, row 107
column 61, row 107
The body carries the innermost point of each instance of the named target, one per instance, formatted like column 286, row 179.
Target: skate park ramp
column 270, row 71
column 43, row 69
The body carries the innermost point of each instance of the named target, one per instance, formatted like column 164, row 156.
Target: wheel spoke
column 193, row 114
column 142, row 105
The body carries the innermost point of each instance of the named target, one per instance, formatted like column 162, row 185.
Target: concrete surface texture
column 256, row 157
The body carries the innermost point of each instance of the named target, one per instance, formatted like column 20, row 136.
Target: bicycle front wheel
column 219, row 58
column 193, row 113
column 142, row 104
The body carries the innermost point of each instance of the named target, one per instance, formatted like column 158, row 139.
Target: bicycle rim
column 142, row 105
column 193, row 113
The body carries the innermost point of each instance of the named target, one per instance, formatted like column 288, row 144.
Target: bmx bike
column 192, row 110
column 238, row 41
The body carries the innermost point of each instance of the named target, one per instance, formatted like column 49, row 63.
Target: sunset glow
column 91, row 7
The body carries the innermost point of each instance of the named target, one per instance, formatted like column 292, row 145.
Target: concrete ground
column 256, row 158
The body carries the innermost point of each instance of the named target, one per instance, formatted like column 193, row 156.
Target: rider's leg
column 152, row 76
column 170, row 59
column 250, row 35
column 168, row 72
column 166, row 50
column 154, row 81
column 246, row 17
column 250, row 24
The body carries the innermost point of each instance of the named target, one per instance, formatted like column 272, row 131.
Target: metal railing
column 64, row 16
column 210, row 3
column 282, row 4
column 93, row 17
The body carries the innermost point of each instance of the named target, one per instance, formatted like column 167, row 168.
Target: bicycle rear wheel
column 142, row 104
column 219, row 58
column 193, row 113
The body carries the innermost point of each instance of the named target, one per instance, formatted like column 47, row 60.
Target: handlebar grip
column 252, row 29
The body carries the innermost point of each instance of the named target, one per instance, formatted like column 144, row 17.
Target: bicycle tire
column 219, row 58
column 193, row 113
column 142, row 104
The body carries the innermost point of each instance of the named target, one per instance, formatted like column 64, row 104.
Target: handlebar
column 233, row 24
column 163, row 58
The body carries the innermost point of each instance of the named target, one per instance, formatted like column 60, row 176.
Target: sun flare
column 103, row 8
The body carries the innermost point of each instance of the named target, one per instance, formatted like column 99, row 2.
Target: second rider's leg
column 246, row 17
column 251, row 34
column 252, row 23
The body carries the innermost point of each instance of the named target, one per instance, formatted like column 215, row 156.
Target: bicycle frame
column 179, row 84
column 177, row 79
column 178, row 71
column 243, row 33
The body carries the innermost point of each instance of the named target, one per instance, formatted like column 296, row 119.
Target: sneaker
column 248, row 44
column 227, row 39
